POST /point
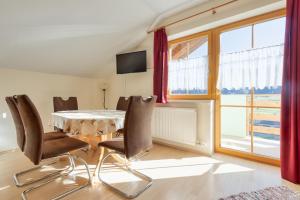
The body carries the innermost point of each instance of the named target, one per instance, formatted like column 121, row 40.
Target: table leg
column 99, row 160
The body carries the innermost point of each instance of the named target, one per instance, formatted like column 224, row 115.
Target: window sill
column 190, row 97
column 186, row 101
column 190, row 100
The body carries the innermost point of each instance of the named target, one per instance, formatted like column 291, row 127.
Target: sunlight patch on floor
column 161, row 169
column 118, row 176
column 165, row 163
column 178, row 171
column 4, row 187
column 231, row 168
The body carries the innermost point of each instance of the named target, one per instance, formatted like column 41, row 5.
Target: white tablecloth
column 89, row 122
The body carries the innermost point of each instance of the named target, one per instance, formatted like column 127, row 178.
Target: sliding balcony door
column 249, row 88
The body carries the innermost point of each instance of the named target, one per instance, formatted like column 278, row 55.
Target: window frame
column 213, row 93
column 210, row 79
column 214, row 50
column 217, row 129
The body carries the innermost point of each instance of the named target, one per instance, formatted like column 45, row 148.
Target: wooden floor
column 177, row 175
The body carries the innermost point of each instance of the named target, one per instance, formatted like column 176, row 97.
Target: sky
column 266, row 34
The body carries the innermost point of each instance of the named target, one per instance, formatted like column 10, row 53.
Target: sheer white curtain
column 258, row 68
column 188, row 74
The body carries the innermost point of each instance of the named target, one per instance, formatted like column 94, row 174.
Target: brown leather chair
column 36, row 148
column 122, row 104
column 59, row 104
column 20, row 132
column 62, row 105
column 137, row 138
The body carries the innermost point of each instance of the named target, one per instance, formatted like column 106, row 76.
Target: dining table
column 92, row 126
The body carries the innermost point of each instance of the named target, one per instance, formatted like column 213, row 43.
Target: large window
column 240, row 66
column 189, row 67
column 249, row 85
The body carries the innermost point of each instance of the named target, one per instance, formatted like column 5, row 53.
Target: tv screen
column 131, row 62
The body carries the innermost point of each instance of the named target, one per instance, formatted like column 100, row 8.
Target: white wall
column 141, row 83
column 41, row 87
column 135, row 83
column 239, row 10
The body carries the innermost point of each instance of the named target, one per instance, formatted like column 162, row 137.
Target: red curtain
column 290, row 105
column 160, row 76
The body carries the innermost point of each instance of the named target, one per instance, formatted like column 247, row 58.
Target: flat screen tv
column 131, row 62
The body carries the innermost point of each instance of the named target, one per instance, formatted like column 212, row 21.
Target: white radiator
column 175, row 124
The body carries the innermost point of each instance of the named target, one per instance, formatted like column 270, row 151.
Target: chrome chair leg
column 132, row 171
column 71, row 160
column 60, row 196
column 20, row 184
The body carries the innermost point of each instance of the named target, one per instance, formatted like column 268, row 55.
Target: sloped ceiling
column 75, row 37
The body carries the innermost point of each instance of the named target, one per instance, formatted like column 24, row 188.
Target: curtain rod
column 213, row 9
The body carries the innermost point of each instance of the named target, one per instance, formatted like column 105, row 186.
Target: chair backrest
column 122, row 104
column 137, row 126
column 33, row 128
column 61, row 105
column 17, row 121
